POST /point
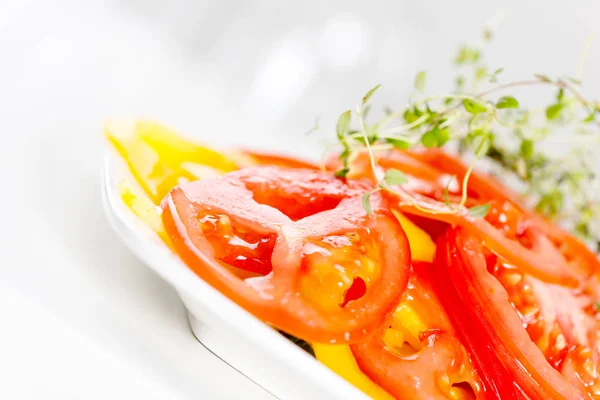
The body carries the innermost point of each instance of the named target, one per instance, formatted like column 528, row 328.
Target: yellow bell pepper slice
column 159, row 159
column 142, row 207
column 422, row 248
column 339, row 359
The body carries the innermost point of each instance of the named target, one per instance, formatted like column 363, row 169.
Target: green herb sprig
column 498, row 129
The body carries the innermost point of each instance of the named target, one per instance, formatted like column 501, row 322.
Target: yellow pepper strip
column 422, row 248
column 159, row 159
column 142, row 207
column 339, row 359
column 405, row 327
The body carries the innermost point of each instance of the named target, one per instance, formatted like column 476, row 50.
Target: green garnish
column 394, row 177
column 366, row 202
column 510, row 136
column 479, row 211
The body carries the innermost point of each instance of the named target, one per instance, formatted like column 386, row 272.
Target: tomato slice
column 495, row 334
column 277, row 160
column 304, row 219
column 436, row 367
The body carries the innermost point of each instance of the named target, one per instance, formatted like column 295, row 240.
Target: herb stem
column 465, row 182
column 583, row 56
column 407, row 127
column 367, row 142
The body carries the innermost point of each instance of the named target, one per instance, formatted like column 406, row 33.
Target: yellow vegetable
column 422, row 248
column 142, row 207
column 159, row 159
column 339, row 359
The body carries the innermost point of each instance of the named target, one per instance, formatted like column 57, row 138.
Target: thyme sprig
column 481, row 124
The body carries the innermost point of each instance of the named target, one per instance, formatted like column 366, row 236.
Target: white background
column 80, row 317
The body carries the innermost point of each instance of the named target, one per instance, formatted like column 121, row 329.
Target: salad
column 400, row 262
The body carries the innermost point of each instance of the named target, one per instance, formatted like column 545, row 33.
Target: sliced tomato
column 311, row 236
column 495, row 335
column 437, row 366
column 277, row 160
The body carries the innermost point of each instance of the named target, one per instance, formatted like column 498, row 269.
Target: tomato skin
column 492, row 329
column 275, row 298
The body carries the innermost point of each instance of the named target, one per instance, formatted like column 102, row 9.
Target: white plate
column 229, row 331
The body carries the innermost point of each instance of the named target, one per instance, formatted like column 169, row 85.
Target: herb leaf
column 479, row 211
column 482, row 145
column 526, row 148
column 420, row 80
column 590, row 117
column 342, row 172
column 553, row 111
column 494, row 76
column 507, row 102
column 430, row 138
column 370, row 93
column 474, row 107
column 543, row 78
column 343, row 124
column 400, row 143
column 366, row 202
column 394, row 177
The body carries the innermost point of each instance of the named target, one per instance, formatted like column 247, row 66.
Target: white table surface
column 81, row 317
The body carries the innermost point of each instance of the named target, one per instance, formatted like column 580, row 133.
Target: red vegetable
column 492, row 329
column 278, row 215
